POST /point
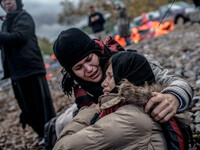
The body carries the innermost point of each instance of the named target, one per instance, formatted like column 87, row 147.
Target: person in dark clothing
column 96, row 22
column 123, row 21
column 23, row 63
column 196, row 3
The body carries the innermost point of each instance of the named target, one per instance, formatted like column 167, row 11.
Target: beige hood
column 129, row 93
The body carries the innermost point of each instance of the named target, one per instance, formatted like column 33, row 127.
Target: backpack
column 177, row 132
column 50, row 135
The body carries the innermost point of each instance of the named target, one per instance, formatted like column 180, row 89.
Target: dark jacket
column 97, row 26
column 21, row 54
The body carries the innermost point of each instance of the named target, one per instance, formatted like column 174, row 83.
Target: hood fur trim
column 136, row 95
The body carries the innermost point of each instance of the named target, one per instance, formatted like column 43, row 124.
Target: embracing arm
column 22, row 30
column 80, row 121
column 177, row 95
column 112, row 131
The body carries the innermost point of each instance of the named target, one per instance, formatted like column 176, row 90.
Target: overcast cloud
column 45, row 13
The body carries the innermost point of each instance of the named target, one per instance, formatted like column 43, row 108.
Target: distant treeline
column 73, row 11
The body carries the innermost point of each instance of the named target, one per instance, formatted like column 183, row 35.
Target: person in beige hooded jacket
column 123, row 123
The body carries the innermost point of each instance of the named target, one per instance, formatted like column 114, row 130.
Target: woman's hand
column 164, row 106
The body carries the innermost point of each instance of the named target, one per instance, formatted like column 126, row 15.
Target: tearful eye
column 77, row 68
column 88, row 59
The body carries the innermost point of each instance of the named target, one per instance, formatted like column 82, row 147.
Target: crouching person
column 121, row 122
column 83, row 61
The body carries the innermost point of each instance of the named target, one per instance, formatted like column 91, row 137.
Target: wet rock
column 198, row 82
column 197, row 119
column 197, row 128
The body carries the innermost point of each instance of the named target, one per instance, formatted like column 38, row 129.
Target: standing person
column 96, row 22
column 122, row 21
column 23, row 63
column 196, row 3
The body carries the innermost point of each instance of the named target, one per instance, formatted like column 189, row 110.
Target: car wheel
column 180, row 21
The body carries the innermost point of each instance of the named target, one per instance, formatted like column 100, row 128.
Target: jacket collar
column 109, row 99
column 129, row 93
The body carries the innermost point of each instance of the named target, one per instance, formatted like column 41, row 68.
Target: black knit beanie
column 72, row 46
column 133, row 67
column 19, row 4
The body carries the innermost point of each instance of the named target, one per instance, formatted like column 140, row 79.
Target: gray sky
column 44, row 13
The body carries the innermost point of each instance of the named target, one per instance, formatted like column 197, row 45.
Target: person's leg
column 196, row 3
column 128, row 40
column 103, row 35
column 45, row 96
column 97, row 36
column 19, row 97
column 33, row 96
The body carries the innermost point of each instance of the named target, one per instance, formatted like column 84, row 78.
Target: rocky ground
column 178, row 51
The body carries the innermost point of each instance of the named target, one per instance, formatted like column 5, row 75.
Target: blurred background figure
column 96, row 22
column 23, row 63
column 122, row 20
column 196, row 3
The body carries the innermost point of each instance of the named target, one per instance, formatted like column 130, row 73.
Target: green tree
column 70, row 13
column 45, row 46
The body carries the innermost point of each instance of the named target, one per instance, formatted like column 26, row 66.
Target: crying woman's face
column 89, row 69
column 109, row 83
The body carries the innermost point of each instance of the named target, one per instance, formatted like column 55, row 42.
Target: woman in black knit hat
column 71, row 49
column 83, row 60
